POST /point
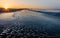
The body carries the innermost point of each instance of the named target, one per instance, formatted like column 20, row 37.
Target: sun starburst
column 6, row 7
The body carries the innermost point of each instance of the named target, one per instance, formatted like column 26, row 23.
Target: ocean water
column 46, row 23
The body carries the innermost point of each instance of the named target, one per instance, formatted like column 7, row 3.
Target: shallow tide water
column 30, row 20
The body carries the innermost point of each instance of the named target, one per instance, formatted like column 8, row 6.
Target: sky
column 30, row 3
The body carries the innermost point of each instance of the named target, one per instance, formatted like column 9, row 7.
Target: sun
column 5, row 7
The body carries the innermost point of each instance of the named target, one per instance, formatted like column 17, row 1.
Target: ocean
column 45, row 23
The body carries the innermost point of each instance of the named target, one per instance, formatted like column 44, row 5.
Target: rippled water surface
column 30, row 19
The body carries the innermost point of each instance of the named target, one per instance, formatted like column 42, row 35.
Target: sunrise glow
column 6, row 7
column 29, row 4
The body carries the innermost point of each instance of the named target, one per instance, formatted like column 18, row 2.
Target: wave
column 49, row 12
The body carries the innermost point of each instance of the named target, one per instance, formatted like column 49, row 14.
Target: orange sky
column 15, row 4
column 24, row 6
column 20, row 6
column 29, row 3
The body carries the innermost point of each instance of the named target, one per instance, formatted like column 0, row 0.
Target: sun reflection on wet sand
column 6, row 16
